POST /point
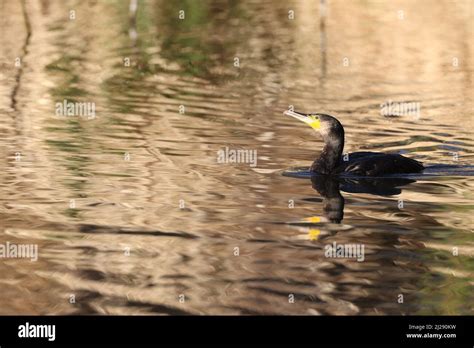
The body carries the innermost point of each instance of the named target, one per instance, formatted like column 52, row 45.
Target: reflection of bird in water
column 333, row 202
column 330, row 160
column 330, row 187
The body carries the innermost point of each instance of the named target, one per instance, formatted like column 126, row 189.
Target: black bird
column 330, row 161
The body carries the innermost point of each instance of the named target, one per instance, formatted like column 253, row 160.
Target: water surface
column 130, row 210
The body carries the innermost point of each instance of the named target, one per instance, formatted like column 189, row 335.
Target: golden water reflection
column 130, row 209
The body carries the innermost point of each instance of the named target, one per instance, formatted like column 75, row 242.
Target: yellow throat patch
column 314, row 123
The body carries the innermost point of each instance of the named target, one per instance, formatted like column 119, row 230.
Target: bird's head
column 326, row 125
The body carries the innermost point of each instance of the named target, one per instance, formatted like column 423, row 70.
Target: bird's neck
column 330, row 157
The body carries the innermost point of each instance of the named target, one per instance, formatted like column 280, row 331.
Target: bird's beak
column 297, row 115
column 314, row 123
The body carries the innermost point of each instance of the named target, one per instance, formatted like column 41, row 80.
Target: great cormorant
column 330, row 161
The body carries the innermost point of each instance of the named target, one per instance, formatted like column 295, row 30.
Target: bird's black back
column 377, row 163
